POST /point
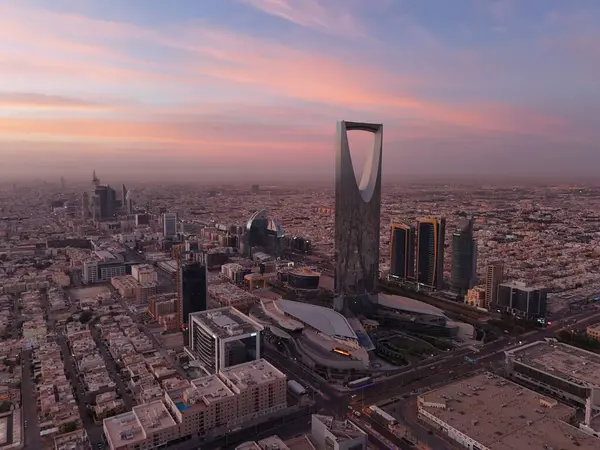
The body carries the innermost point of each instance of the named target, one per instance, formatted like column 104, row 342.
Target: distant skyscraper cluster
column 101, row 202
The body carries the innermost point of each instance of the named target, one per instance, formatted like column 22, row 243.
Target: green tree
column 68, row 427
column 4, row 407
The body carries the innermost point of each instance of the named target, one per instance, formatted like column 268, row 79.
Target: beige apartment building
column 259, row 387
column 145, row 427
column 208, row 404
column 204, row 404
column 476, row 297
column 494, row 275
column 593, row 331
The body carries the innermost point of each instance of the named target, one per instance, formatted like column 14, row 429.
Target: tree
column 4, row 407
column 68, row 427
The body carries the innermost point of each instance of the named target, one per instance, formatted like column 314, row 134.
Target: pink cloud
column 312, row 14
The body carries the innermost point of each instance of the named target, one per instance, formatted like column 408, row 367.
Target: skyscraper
column 402, row 251
column 169, row 224
column 357, row 217
column 191, row 289
column 494, row 275
column 464, row 263
column 431, row 233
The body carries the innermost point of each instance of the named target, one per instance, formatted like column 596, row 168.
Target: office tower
column 95, row 179
column 123, row 193
column 191, row 290
column 255, row 188
column 357, row 217
column 85, row 205
column 402, row 251
column 103, row 202
column 62, row 183
column 430, row 252
column 494, row 275
column 464, row 263
column 169, row 224
column 223, row 337
column 129, row 202
column 520, row 300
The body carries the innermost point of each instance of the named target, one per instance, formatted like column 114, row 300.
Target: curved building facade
column 357, row 217
column 264, row 232
column 304, row 279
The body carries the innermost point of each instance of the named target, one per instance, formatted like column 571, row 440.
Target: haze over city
column 220, row 89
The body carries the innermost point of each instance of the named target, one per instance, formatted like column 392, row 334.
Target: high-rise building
column 521, row 300
column 85, row 205
column 402, row 251
column 102, row 201
column 494, row 275
column 223, row 337
column 129, row 202
column 357, row 217
column 192, row 289
column 431, row 234
column 464, row 263
column 169, row 224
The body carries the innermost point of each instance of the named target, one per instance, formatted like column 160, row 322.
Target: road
column 29, row 404
column 94, row 431
column 113, row 370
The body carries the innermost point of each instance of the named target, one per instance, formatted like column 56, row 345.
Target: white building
column 329, row 433
column 223, row 337
column 102, row 266
column 144, row 273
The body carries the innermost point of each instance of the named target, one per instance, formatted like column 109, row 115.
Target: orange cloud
column 86, row 53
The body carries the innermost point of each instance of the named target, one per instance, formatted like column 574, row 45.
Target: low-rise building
column 144, row 427
column 559, row 369
column 486, row 412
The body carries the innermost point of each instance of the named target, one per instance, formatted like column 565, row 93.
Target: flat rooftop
column 250, row 374
column 561, row 360
column 133, row 426
column 502, row 415
column 323, row 319
column 273, row 442
column 199, row 393
column 343, row 430
column 250, row 445
column 226, row 322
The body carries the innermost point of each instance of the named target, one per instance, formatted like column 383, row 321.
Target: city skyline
column 495, row 87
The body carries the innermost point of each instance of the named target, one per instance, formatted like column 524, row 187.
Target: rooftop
column 132, row 426
column 226, row 322
column 250, row 374
column 200, row 393
column 408, row 304
column 343, row 430
column 323, row 319
column 272, row 442
column 504, row 416
column 561, row 360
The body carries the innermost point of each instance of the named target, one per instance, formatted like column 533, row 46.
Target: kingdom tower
column 357, row 218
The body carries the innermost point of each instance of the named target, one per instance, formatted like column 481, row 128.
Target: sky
column 218, row 89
